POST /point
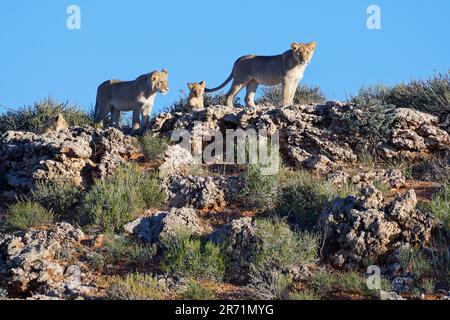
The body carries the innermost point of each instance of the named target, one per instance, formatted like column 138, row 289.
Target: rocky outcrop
column 166, row 225
column 42, row 262
column 240, row 242
column 72, row 155
column 392, row 178
column 361, row 230
column 317, row 137
column 211, row 193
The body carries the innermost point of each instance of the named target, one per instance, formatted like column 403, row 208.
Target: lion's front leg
column 289, row 87
column 145, row 112
column 136, row 119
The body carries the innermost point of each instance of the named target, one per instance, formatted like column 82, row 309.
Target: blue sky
column 200, row 39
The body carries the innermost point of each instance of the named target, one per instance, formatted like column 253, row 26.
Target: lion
column 115, row 96
column 195, row 99
column 251, row 71
column 54, row 124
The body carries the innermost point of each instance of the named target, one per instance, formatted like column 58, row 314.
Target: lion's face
column 197, row 89
column 159, row 81
column 303, row 52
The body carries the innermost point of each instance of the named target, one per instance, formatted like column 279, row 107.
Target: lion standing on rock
column 286, row 69
column 138, row 96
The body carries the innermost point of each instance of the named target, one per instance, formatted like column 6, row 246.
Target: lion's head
column 196, row 89
column 303, row 52
column 158, row 81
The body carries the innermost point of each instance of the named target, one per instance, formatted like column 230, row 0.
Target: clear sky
column 200, row 39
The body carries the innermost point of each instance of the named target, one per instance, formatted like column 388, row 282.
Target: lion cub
column 286, row 69
column 54, row 124
column 195, row 99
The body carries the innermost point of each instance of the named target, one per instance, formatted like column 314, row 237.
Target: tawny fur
column 195, row 100
column 138, row 96
column 54, row 124
column 286, row 69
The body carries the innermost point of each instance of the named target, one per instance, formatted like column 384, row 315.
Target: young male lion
column 286, row 69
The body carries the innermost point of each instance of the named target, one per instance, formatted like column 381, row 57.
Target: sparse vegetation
column 135, row 286
column 303, row 95
column 303, row 198
column 114, row 201
column 440, row 206
column 414, row 261
column 122, row 251
column 60, row 197
column 25, row 215
column 197, row 291
column 153, row 147
column 186, row 256
column 280, row 250
column 34, row 117
column 260, row 191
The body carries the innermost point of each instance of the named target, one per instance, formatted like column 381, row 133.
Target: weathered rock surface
column 165, row 225
column 393, row 178
column 240, row 242
column 72, row 155
column 366, row 229
column 41, row 262
column 317, row 137
column 202, row 192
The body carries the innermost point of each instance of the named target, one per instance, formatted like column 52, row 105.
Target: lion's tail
column 222, row 85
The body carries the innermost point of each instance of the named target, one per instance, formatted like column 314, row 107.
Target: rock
column 177, row 161
column 385, row 295
column 38, row 261
column 240, row 243
column 71, row 155
column 165, row 225
column 211, row 193
column 358, row 230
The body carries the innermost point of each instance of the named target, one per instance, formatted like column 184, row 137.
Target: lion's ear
column 165, row 72
column 153, row 78
column 203, row 84
column 295, row 46
column 312, row 45
column 190, row 85
column 57, row 118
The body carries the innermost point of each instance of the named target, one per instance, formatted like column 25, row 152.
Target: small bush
column 280, row 250
column 135, row 287
column 123, row 251
column 3, row 294
column 260, row 191
column 440, row 206
column 182, row 105
column 197, row 291
column 115, row 201
column 151, row 190
column 34, row 117
column 382, row 186
column 153, row 147
column 303, row 95
column 414, row 261
column 187, row 257
column 303, row 198
column 25, row 215
column 305, row 295
column 59, row 197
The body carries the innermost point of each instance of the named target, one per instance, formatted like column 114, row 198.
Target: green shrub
column 153, row 147
column 382, row 186
column 430, row 95
column 3, row 294
column 135, row 287
column 280, row 250
column 260, row 191
column 115, row 201
column 59, row 197
column 123, row 251
column 151, row 190
column 414, row 261
column 187, row 257
column 25, row 215
column 182, row 104
column 304, row 295
column 440, row 206
column 303, row 95
column 197, row 291
column 34, row 117
column 303, row 198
